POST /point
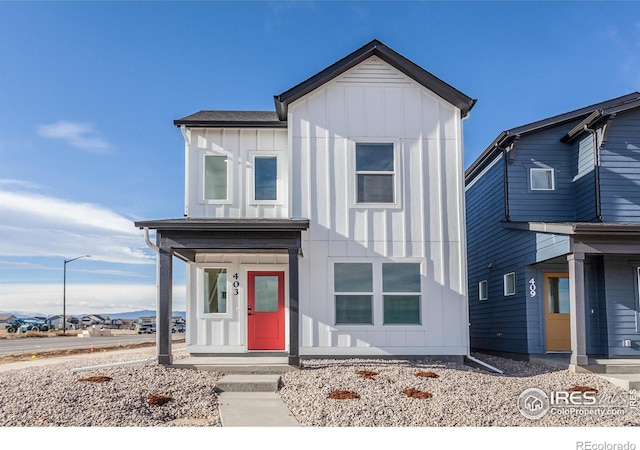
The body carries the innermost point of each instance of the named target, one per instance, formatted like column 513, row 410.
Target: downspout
column 596, row 171
column 186, row 134
column 150, row 244
column 505, row 180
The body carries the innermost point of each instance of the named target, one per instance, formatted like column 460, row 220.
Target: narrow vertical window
column 353, row 288
column 375, row 173
column 215, row 291
column 483, row 290
column 401, row 293
column 215, row 177
column 510, row 284
column 265, row 178
column 541, row 179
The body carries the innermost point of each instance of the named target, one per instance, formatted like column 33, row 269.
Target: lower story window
column 353, row 287
column 215, row 291
column 397, row 292
column 509, row 281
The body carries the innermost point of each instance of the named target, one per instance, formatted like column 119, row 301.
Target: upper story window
column 542, row 179
column 265, row 178
column 215, row 177
column 375, row 173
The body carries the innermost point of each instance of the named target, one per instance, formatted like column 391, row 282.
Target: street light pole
column 64, row 292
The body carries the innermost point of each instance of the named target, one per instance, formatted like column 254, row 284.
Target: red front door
column 265, row 310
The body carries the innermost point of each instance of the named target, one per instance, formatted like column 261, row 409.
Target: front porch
column 190, row 239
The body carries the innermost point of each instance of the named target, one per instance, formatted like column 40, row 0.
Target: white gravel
column 52, row 396
column 461, row 396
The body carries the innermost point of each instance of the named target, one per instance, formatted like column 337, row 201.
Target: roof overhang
column 189, row 224
column 578, row 228
column 375, row 48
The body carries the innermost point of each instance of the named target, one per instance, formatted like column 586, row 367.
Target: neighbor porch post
column 163, row 319
column 577, row 310
column 294, row 327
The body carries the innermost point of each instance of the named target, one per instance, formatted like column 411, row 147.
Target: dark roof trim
column 225, row 224
column 232, row 119
column 617, row 104
column 374, row 48
column 575, row 228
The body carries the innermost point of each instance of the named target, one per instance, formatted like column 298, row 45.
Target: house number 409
column 236, row 284
column 532, row 287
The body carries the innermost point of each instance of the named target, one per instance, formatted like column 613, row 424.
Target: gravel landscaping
column 459, row 395
column 367, row 393
column 54, row 396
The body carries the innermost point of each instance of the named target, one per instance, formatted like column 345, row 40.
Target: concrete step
column 625, row 381
column 248, row 383
column 237, row 365
column 614, row 366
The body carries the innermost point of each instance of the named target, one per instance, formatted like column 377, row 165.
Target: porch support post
column 163, row 319
column 577, row 310
column 294, row 326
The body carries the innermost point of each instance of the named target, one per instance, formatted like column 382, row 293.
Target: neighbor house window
column 265, row 177
column 542, row 180
column 483, row 290
column 215, row 177
column 353, row 288
column 215, row 291
column 510, row 283
column 401, row 293
column 375, row 173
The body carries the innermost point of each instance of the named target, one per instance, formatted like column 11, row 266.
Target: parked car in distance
column 146, row 329
column 178, row 328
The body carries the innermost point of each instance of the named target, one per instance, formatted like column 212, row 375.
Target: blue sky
column 89, row 90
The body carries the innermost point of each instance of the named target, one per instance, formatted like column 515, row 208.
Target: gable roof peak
column 374, row 48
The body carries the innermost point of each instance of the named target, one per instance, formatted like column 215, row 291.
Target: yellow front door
column 556, row 308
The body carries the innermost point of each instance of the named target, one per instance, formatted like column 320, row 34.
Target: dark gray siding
column 542, row 150
column 620, row 170
column 584, row 180
column 499, row 323
column 622, row 303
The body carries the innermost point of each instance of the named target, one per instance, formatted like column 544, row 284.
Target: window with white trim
column 483, row 290
column 401, row 293
column 215, row 290
column 509, row 281
column 215, row 177
column 541, row 179
column 375, row 173
column 265, row 178
column 353, row 289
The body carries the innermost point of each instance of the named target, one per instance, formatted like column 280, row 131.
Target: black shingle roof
column 240, row 119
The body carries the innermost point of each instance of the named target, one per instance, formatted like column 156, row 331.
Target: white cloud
column 85, row 298
column 37, row 225
column 80, row 135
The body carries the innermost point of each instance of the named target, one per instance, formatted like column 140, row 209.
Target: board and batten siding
column 240, row 145
column 620, row 170
column 621, row 278
column 374, row 102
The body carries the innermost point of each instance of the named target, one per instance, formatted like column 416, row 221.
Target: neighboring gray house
column 553, row 223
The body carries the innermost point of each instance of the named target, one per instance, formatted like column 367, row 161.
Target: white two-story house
column 332, row 226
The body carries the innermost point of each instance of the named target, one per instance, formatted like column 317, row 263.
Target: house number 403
column 236, row 284
column 532, row 287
